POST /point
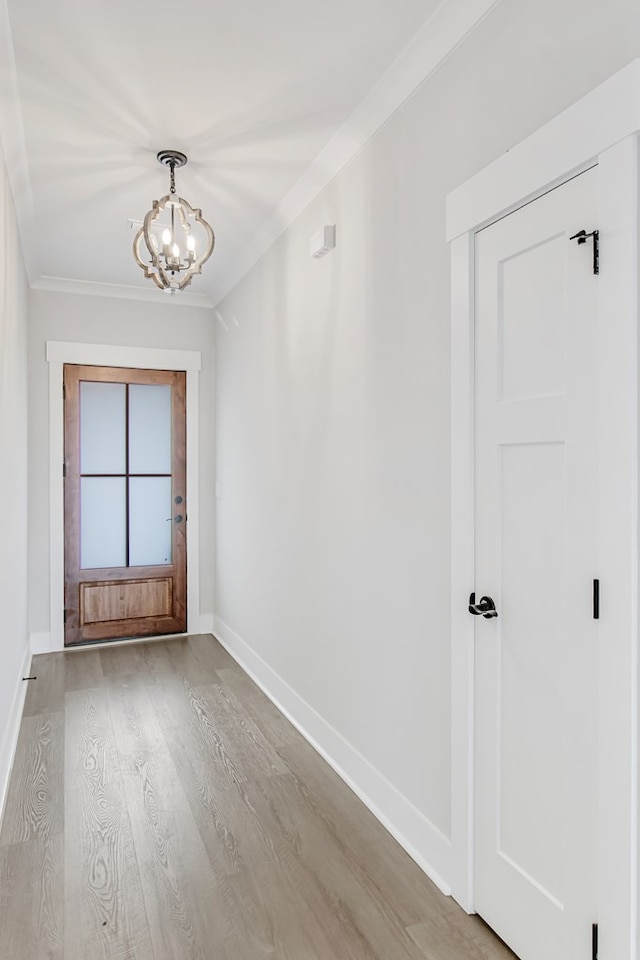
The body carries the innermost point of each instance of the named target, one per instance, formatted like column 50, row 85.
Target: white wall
column 13, row 478
column 88, row 319
column 333, row 532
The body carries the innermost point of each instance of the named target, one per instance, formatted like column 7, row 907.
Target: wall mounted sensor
column 323, row 241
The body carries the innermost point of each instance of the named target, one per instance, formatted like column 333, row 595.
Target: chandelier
column 177, row 238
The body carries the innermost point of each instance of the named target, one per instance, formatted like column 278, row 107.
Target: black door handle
column 485, row 608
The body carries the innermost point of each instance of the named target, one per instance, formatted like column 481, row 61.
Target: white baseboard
column 40, row 642
column 12, row 729
column 420, row 838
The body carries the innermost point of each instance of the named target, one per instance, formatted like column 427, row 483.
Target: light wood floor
column 160, row 808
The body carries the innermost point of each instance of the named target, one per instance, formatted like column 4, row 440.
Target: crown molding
column 121, row 291
column 438, row 37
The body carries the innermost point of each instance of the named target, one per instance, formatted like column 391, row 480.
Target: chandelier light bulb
column 165, row 266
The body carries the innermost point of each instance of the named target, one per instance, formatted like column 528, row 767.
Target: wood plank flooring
column 161, row 808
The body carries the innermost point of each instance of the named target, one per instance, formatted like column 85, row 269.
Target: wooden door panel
column 124, row 601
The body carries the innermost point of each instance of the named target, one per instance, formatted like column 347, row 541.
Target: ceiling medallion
column 177, row 238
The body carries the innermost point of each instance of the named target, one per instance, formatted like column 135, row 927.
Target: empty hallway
column 161, row 808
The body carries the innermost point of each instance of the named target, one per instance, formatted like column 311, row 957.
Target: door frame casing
column 601, row 129
column 106, row 355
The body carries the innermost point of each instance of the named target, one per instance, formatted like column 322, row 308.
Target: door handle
column 485, row 608
column 177, row 519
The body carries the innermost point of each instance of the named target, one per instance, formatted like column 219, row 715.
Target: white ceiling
column 251, row 90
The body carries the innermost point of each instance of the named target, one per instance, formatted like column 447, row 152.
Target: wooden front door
column 124, row 503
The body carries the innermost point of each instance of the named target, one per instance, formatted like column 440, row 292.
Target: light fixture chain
column 172, row 187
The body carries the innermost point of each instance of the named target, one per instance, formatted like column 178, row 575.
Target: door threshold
column 124, row 641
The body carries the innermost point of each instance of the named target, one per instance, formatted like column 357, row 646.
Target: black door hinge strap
column 582, row 236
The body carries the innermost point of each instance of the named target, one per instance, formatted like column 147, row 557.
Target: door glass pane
column 149, row 428
column 150, row 520
column 103, row 522
column 102, row 427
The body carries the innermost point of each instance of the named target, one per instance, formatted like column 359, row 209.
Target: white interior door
column 535, row 722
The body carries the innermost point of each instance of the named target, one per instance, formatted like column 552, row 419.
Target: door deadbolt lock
column 485, row 608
